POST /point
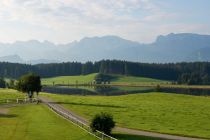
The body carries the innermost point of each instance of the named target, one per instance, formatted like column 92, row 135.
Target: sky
column 63, row 21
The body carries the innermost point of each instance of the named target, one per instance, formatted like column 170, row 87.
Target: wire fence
column 98, row 134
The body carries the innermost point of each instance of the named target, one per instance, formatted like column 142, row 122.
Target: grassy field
column 10, row 94
column 37, row 122
column 117, row 79
column 34, row 122
column 81, row 79
column 159, row 112
column 135, row 80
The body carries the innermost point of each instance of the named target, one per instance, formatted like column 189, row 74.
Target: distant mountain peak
column 173, row 47
column 100, row 37
column 11, row 58
column 181, row 37
column 108, row 39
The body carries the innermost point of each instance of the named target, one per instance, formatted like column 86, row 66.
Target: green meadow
column 117, row 79
column 135, row 80
column 81, row 79
column 158, row 112
column 37, row 122
column 10, row 94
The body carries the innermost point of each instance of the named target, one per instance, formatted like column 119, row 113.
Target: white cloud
column 66, row 20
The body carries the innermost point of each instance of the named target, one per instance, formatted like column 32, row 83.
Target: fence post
column 17, row 100
column 102, row 136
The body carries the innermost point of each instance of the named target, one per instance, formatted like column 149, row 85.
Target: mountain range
column 169, row 48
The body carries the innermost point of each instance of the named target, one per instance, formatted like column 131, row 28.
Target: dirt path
column 3, row 110
column 118, row 129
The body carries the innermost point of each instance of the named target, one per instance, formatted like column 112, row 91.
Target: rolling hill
column 81, row 79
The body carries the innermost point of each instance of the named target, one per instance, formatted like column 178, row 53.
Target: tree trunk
column 30, row 95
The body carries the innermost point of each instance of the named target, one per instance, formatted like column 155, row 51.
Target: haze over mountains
column 170, row 48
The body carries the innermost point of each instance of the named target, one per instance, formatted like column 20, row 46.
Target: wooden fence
column 18, row 100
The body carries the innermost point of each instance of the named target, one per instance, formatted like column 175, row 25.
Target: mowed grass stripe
column 37, row 122
column 158, row 112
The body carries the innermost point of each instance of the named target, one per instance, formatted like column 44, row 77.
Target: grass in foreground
column 159, row 112
column 37, row 122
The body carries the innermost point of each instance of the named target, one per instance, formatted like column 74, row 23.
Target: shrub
column 2, row 83
column 157, row 88
column 102, row 122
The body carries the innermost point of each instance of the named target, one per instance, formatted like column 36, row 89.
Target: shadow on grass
column 134, row 137
column 83, row 104
column 7, row 115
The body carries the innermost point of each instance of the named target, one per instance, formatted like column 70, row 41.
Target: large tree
column 29, row 83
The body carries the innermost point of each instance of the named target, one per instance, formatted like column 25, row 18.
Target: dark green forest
column 183, row 73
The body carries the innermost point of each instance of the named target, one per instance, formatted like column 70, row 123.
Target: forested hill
column 199, row 71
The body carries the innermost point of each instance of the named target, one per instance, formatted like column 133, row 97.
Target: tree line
column 184, row 73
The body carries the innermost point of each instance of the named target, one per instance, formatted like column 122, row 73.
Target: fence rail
column 17, row 100
column 98, row 134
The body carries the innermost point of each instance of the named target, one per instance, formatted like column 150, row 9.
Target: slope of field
column 159, row 112
column 81, row 79
column 37, row 122
column 135, row 80
column 116, row 79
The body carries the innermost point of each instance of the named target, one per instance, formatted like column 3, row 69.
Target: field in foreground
column 37, row 122
column 159, row 112
column 81, row 79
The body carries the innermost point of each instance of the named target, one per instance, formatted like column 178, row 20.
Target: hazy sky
column 62, row 21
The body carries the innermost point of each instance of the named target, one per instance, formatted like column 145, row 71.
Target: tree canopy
column 29, row 83
column 168, row 71
column 103, row 122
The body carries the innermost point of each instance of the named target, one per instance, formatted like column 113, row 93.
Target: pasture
column 121, row 79
column 158, row 112
column 31, row 121
column 81, row 79
column 10, row 94
column 37, row 122
column 116, row 79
